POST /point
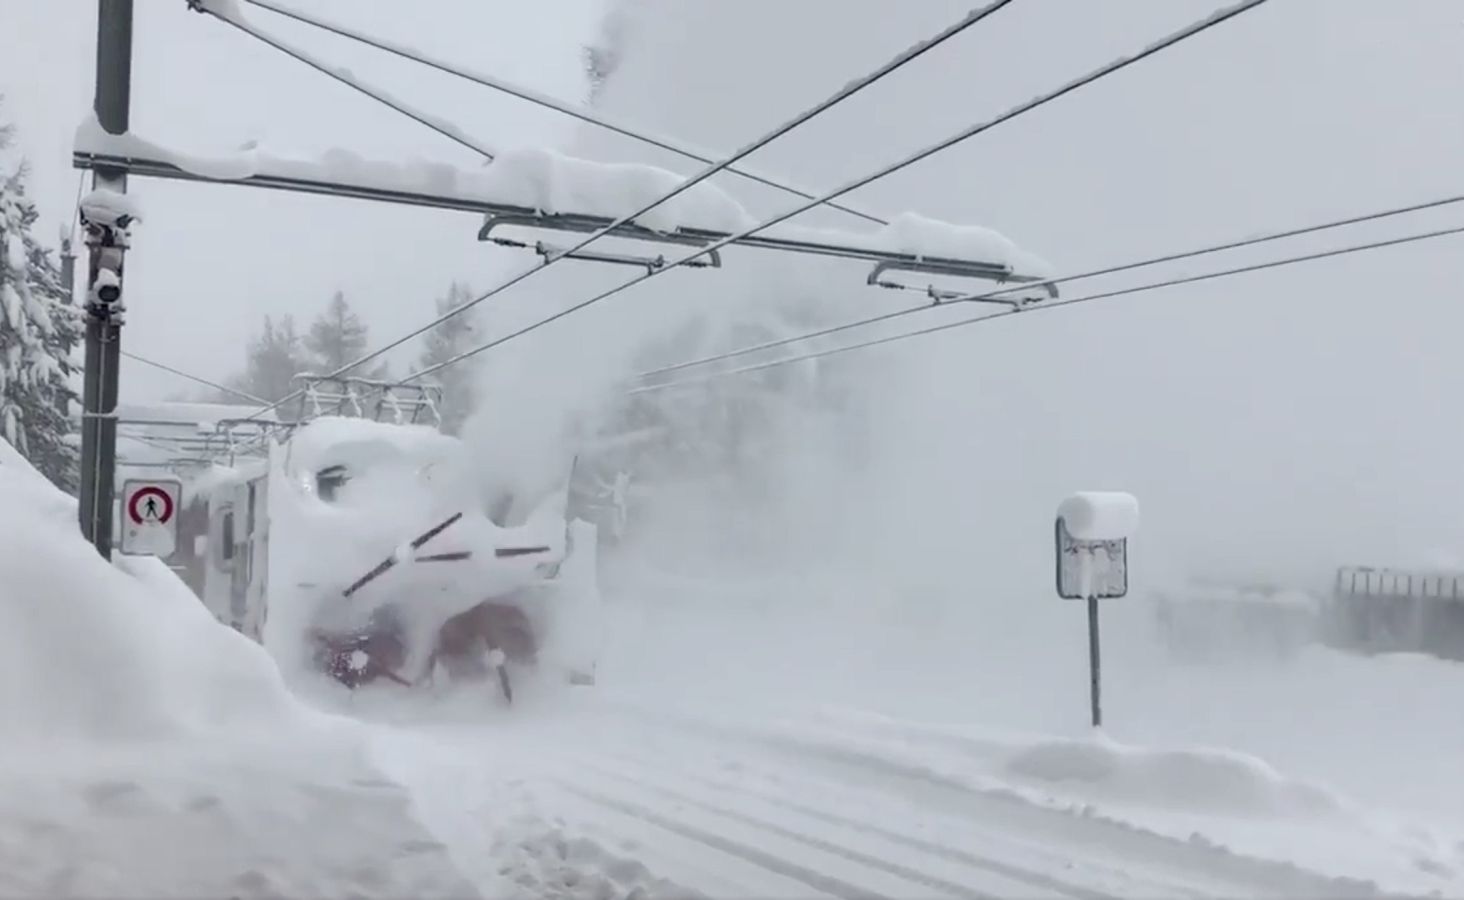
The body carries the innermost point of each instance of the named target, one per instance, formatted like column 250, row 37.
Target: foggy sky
column 211, row 261
column 1304, row 416
column 1273, row 425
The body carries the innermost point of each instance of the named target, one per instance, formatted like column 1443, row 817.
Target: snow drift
column 97, row 652
column 1193, row 780
column 150, row 751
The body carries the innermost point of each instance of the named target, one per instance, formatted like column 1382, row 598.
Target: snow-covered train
column 367, row 549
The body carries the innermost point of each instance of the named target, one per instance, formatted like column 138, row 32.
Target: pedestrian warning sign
column 150, row 516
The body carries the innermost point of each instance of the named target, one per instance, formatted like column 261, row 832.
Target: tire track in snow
column 706, row 872
column 950, row 854
column 1103, row 880
column 834, row 848
column 770, row 861
column 1218, row 870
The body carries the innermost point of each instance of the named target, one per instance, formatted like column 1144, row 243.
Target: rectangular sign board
column 1090, row 568
column 149, row 516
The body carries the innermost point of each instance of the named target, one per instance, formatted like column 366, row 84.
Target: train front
column 394, row 571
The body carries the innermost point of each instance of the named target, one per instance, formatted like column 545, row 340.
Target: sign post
column 1091, row 541
column 150, row 516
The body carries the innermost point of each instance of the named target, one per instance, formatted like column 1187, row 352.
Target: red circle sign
column 152, row 505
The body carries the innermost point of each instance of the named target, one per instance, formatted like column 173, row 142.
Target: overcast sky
column 1274, row 424
column 1309, row 415
column 211, row 261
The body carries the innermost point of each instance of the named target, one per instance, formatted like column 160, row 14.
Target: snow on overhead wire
column 1017, row 111
column 551, row 182
column 592, row 117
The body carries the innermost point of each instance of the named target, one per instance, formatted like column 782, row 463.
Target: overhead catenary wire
column 242, row 395
column 596, row 119
column 853, row 87
column 1222, row 15
column 448, row 131
column 1066, row 279
column 1056, row 304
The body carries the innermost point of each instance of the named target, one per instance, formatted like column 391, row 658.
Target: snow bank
column 551, row 182
column 278, row 819
column 1100, row 515
column 150, row 751
column 97, row 652
column 1190, row 780
column 1090, row 769
column 45, row 505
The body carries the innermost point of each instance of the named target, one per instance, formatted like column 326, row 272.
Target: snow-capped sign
column 1091, row 536
column 150, row 516
column 1100, row 515
column 1097, row 569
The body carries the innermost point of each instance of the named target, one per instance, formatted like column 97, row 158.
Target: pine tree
column 274, row 357
column 54, row 443
column 38, row 330
column 443, row 343
column 337, row 337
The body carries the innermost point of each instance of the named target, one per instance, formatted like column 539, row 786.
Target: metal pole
column 104, row 321
column 1094, row 666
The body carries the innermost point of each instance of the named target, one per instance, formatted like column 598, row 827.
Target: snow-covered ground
column 840, row 669
column 149, row 751
column 752, row 749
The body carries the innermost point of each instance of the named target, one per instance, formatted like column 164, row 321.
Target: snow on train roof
column 551, row 182
column 339, row 440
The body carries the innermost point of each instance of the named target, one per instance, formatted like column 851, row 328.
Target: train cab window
column 328, row 482
column 226, row 545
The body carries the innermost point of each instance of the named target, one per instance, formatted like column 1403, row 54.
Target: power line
column 1066, row 279
column 448, row 131
column 1152, row 286
column 1183, row 34
column 194, row 378
column 839, row 96
column 543, row 100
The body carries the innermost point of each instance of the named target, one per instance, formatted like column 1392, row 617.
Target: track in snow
column 1111, row 855
column 941, row 852
column 631, row 803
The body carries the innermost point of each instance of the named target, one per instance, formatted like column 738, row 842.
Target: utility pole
column 106, row 239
